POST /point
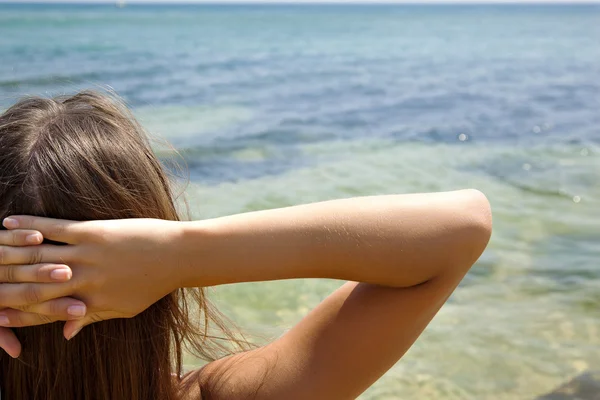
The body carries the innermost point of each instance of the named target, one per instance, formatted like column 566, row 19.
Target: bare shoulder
column 239, row 376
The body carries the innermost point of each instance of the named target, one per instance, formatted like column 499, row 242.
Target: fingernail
column 76, row 310
column 10, row 223
column 74, row 333
column 61, row 274
column 34, row 238
column 4, row 321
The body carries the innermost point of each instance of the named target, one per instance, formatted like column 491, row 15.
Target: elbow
column 480, row 210
column 476, row 229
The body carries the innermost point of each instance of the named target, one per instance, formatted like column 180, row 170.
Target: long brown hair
column 84, row 157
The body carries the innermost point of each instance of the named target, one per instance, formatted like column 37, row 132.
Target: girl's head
column 84, row 157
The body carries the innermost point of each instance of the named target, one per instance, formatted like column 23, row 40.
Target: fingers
column 43, row 253
column 20, row 237
column 38, row 273
column 60, row 309
column 54, row 229
column 63, row 309
column 15, row 295
column 9, row 342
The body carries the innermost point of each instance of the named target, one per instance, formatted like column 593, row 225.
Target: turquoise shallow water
column 280, row 105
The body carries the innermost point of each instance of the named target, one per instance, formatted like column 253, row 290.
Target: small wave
column 91, row 77
column 550, row 172
column 51, row 80
column 530, row 188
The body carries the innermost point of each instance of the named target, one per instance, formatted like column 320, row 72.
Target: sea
column 277, row 105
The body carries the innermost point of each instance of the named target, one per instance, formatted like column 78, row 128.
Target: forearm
column 400, row 240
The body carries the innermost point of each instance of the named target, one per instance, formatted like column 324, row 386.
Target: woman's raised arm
column 409, row 252
column 121, row 267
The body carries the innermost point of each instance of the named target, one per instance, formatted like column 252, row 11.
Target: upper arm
column 345, row 344
column 337, row 351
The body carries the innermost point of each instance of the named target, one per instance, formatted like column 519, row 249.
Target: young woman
column 131, row 275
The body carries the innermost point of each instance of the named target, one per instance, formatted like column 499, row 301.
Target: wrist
column 191, row 246
column 173, row 245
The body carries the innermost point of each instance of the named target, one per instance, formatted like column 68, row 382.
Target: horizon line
column 304, row 2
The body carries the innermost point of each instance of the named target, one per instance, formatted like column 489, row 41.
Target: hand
column 33, row 314
column 119, row 268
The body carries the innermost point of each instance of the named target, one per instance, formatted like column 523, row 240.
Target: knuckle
column 16, row 319
column 76, row 285
column 96, row 318
column 54, row 308
column 41, row 273
column 57, row 230
column 31, row 294
column 76, row 254
column 25, row 308
column 36, row 256
column 25, row 222
column 45, row 319
column 9, row 271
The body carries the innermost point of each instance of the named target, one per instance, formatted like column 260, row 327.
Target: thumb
column 74, row 326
